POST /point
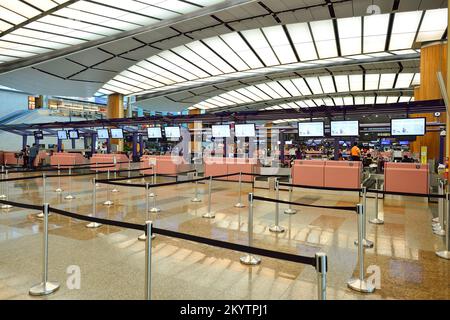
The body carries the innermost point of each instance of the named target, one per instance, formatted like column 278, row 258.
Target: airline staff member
column 356, row 152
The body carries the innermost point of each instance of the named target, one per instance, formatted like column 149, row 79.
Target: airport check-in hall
column 224, row 150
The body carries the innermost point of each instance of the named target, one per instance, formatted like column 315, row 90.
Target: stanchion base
column 443, row 254
column 44, row 289
column 143, row 237
column 196, row 200
column 97, row 185
column 69, row 197
column 108, row 203
column 2, row 196
column 250, row 260
column 277, row 229
column 435, row 219
column 209, row 215
column 239, row 205
column 439, row 232
column 436, row 225
column 128, row 181
column 376, row 221
column 151, row 195
column 155, row 210
column 366, row 243
column 6, row 206
column 360, row 286
column 114, row 190
column 59, row 190
column 290, row 211
column 93, row 225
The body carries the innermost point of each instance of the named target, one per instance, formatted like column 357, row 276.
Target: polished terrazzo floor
column 111, row 259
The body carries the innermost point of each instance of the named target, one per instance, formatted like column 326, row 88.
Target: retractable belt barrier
column 321, row 188
column 420, row 195
column 347, row 208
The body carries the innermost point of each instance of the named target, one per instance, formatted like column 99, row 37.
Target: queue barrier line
column 237, row 247
column 22, row 205
column 321, row 188
column 420, row 195
column 346, row 208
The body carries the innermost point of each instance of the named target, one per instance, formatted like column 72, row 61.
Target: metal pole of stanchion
column 155, row 208
column 209, row 214
column 6, row 206
column 276, row 227
column 97, row 185
column 148, row 261
column 94, row 225
column 3, row 195
column 40, row 215
column 290, row 210
column 438, row 227
column 45, row 287
column 445, row 254
column 108, row 201
column 377, row 219
column 361, row 284
column 129, row 171
column 366, row 243
column 151, row 194
column 70, row 196
column 196, row 198
column 59, row 190
column 143, row 236
column 321, row 269
column 250, row 259
column 240, row 204
column 114, row 190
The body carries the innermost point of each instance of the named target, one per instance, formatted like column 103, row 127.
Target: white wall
column 12, row 101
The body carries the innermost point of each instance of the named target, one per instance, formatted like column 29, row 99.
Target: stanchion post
column 94, row 225
column 59, row 190
column 438, row 227
column 155, row 208
column 143, row 236
column 209, row 214
column 239, row 204
column 250, row 259
column 196, row 198
column 366, row 243
column 129, row 171
column 108, row 201
column 276, row 227
column 114, row 190
column 321, row 269
column 6, row 206
column 360, row 284
column 45, row 287
column 151, row 194
column 148, row 261
column 70, row 196
column 289, row 210
column 97, row 185
column 445, row 254
column 3, row 195
column 377, row 219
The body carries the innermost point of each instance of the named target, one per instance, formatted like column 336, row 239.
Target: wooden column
column 433, row 60
column 115, row 111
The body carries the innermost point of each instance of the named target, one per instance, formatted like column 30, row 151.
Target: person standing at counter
column 34, row 150
column 356, row 152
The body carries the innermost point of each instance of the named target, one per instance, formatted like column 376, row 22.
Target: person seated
column 406, row 159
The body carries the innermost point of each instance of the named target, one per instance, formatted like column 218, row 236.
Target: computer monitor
column 172, row 132
column 39, row 135
column 116, row 133
column 154, row 133
column 245, row 130
column 103, row 133
column 311, row 129
column 73, row 134
column 408, row 127
column 221, row 131
column 62, row 135
column 344, row 128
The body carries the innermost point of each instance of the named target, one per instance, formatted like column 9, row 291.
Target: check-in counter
column 66, row 160
column 170, row 165
column 11, row 159
column 308, row 173
column 343, row 174
column 223, row 166
column 98, row 159
column 406, row 177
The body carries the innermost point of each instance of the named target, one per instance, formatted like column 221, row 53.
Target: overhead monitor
column 404, row 143
column 103, row 133
column 408, row 127
column 73, row 134
column 39, row 135
column 311, row 129
column 221, row 131
column 116, row 133
column 154, row 133
column 245, row 130
column 62, row 135
column 344, row 128
column 172, row 132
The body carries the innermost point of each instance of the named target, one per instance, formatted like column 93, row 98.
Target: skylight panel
column 375, row 32
column 370, row 100
column 359, row 100
column 258, row 92
column 342, row 83
column 239, row 46
column 5, row 26
column 381, row 100
column 319, row 102
column 348, row 101
column 272, row 93
column 290, row 87
column 416, row 80
column 404, row 99
column 208, row 55
column 301, row 104
column 232, row 98
column 372, row 81
column 327, row 84
column 338, row 101
column 219, row 101
column 275, row 86
column 404, row 80
column 328, row 102
column 259, row 43
column 310, row 103
column 404, row 29
column 387, row 81
column 250, row 94
column 183, row 64
column 303, row 42
column 218, row 45
column 240, row 96
column 356, row 82
column 392, row 99
column 11, row 17
column 172, row 67
column 350, row 35
column 20, row 8
column 323, row 34
column 196, row 60
column 301, row 85
column 314, row 84
column 280, row 44
column 433, row 25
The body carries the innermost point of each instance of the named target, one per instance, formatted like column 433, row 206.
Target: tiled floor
column 111, row 259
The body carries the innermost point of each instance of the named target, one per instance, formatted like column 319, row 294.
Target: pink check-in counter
column 67, row 160
column 170, row 165
column 100, row 160
column 406, row 177
column 11, row 159
column 329, row 174
column 216, row 166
